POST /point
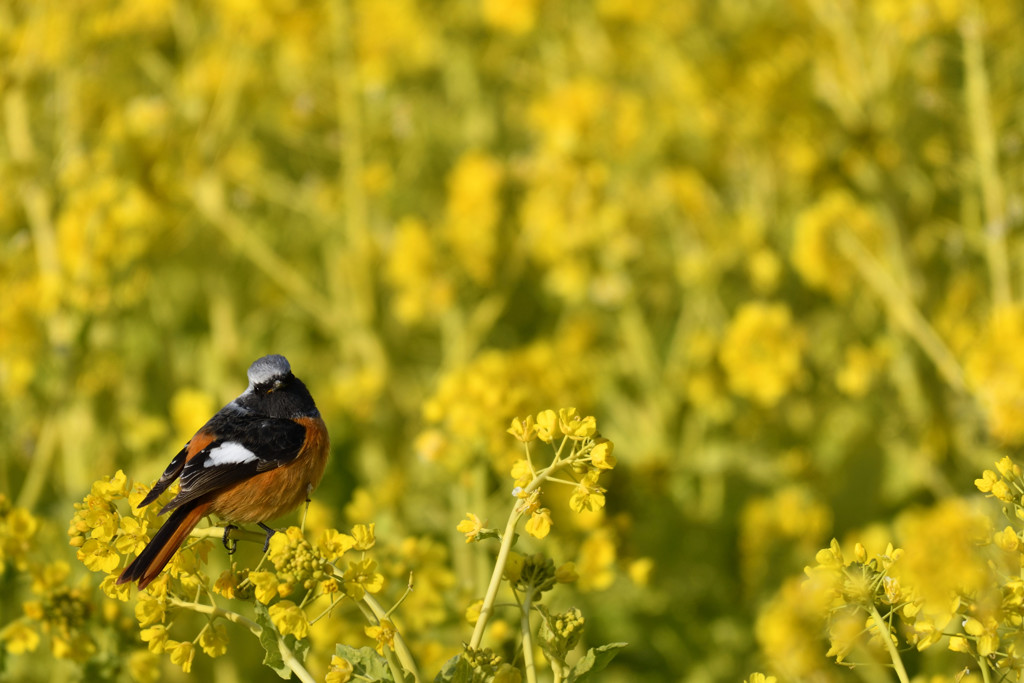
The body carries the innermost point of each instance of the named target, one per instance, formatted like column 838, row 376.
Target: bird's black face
column 282, row 395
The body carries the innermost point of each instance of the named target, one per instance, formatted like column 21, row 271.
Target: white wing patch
column 229, row 453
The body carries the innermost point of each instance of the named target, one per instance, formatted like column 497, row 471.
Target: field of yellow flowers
column 657, row 341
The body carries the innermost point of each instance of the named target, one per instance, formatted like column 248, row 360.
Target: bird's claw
column 230, row 543
column 270, row 532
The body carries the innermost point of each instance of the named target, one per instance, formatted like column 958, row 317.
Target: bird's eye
column 277, row 383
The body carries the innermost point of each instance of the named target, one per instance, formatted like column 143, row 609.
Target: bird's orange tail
column 155, row 556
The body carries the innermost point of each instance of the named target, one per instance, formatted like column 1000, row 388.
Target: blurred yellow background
column 773, row 247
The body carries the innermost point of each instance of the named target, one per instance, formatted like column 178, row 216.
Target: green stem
column 986, row 674
column 213, row 611
column 506, row 547
column 334, row 603
column 401, row 648
column 237, row 534
column 531, row 667
column 986, row 156
column 894, row 654
column 389, row 656
column 495, row 583
column 287, row 655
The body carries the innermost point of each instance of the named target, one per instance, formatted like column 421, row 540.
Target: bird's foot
column 270, row 532
column 230, row 543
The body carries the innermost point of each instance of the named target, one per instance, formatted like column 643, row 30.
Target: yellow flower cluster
column 962, row 586
column 995, row 372
column 823, row 231
column 427, row 267
column 589, row 455
column 467, row 408
column 762, row 353
column 789, row 518
column 17, row 528
column 107, row 538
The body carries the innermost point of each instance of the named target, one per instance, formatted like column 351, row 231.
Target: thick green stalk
column 894, row 654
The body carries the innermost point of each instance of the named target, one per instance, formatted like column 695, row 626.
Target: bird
column 258, row 458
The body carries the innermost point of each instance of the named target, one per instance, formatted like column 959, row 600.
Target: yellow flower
column 266, row 586
column 422, row 289
column 19, row 638
column 471, row 526
column 364, row 536
column 362, row 577
column 227, row 584
column 640, row 571
column 547, row 426
column 587, row 495
column 333, row 544
column 131, row 537
column 994, row 369
column 1002, row 491
column 601, row 455
column 340, row 671
column 111, row 488
column 383, row 633
column 1007, row 467
column 524, row 430
column 112, row 590
column 819, row 236
column 764, row 268
column 574, row 426
column 512, row 16
column 762, row 352
column 760, row 678
column 788, row 630
column 985, row 632
column 149, row 611
column 959, row 644
column 144, row 667
column 190, row 408
column 98, row 557
column 473, row 611
column 522, row 473
column 596, row 565
column 987, row 481
column 539, row 524
column 472, row 213
column 858, row 372
column 566, row 573
column 214, row 640
column 156, row 636
column 49, row 577
column 942, row 567
column 1007, row 539
column 289, row 619
column 182, row 654
column 844, row 632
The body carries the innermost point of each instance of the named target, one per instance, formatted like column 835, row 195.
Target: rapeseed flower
column 762, row 353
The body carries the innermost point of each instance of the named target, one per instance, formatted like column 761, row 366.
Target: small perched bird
column 259, row 457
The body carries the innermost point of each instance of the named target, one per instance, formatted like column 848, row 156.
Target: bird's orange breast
column 278, row 491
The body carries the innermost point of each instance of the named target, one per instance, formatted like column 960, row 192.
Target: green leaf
column 367, row 665
column 455, row 670
column 552, row 646
column 486, row 534
column 596, row 659
column 268, row 639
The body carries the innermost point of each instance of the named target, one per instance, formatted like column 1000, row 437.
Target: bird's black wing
column 244, row 446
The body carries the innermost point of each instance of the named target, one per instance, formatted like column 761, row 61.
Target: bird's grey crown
column 267, row 368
